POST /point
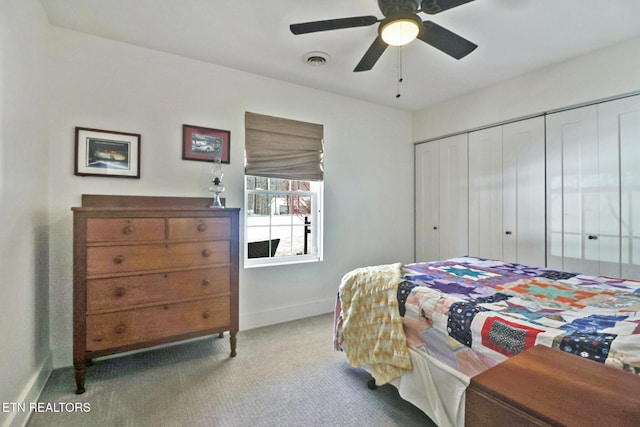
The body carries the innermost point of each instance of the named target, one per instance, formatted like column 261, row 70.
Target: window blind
column 283, row 148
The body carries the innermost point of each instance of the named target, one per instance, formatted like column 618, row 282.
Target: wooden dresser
column 151, row 270
column 548, row 387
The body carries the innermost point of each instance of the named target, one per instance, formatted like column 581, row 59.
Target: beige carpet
column 283, row 375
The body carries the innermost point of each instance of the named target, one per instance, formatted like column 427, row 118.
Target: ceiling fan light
column 399, row 32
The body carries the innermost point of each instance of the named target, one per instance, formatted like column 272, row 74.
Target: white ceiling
column 514, row 37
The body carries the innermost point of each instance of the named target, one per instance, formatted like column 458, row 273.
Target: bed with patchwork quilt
column 464, row 315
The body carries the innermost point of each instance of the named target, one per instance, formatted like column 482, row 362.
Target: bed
column 427, row 328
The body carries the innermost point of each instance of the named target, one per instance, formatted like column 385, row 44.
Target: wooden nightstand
column 548, row 387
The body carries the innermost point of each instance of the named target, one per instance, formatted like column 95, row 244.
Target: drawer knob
column 119, row 329
column 119, row 259
column 205, row 315
column 128, row 229
column 120, row 292
column 206, row 282
column 202, row 227
column 206, row 253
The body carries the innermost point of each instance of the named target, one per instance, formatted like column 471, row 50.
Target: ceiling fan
column 401, row 25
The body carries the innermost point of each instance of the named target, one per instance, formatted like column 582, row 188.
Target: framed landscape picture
column 107, row 153
column 205, row 144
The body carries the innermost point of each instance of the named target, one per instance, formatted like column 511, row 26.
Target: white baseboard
column 30, row 394
column 285, row 314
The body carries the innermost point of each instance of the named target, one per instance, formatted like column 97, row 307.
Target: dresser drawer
column 199, row 228
column 125, row 229
column 123, row 259
column 153, row 323
column 120, row 292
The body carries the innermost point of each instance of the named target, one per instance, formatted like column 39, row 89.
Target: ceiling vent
column 317, row 59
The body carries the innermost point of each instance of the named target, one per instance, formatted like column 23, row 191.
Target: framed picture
column 205, row 144
column 107, row 153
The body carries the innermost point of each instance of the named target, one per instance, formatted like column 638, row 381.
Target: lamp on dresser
column 216, row 183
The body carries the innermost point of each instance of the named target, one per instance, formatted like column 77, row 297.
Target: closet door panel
column 454, row 193
column 486, row 193
column 572, row 190
column 619, row 123
column 524, row 192
column 427, row 198
column 608, row 238
column 554, row 184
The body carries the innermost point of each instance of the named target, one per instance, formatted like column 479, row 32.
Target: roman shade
column 283, row 148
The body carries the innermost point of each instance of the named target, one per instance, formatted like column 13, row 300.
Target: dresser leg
column 80, row 376
column 234, row 340
column 221, row 335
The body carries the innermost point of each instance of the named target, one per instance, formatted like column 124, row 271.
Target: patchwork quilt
column 474, row 313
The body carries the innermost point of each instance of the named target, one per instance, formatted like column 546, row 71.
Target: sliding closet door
column 583, row 198
column 619, row 123
column 441, row 199
column 485, row 193
column 524, row 192
column 454, row 193
column 427, row 185
column 506, row 192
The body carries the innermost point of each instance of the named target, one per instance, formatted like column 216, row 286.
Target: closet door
column 427, row 199
column 441, row 199
column 523, row 178
column 506, row 192
column 486, row 193
column 619, row 123
column 454, row 193
column 583, row 194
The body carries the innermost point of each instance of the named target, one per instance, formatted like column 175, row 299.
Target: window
column 283, row 191
column 282, row 221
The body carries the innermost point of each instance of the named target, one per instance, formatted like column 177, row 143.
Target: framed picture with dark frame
column 107, row 153
column 205, row 144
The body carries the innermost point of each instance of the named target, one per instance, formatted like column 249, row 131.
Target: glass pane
column 258, row 224
column 279, row 220
column 258, row 205
column 301, row 205
column 283, row 235
column 260, row 245
column 299, row 246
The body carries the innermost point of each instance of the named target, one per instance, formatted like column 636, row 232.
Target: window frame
column 316, row 193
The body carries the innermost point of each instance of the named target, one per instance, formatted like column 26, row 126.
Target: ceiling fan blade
column 436, row 6
column 446, row 41
column 332, row 24
column 372, row 55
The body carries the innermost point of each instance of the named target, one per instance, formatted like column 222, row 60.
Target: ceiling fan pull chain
column 399, row 70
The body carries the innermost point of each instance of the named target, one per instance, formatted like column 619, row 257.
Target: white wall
column 598, row 75
column 24, row 328
column 108, row 85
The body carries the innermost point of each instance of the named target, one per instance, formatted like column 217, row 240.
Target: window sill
column 269, row 262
